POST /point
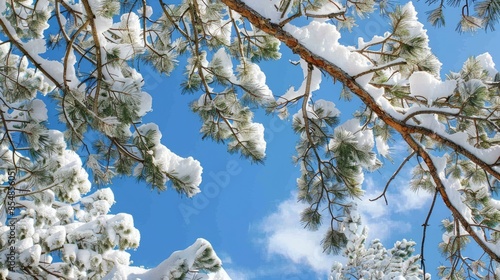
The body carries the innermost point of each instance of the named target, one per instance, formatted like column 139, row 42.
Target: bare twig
column 383, row 194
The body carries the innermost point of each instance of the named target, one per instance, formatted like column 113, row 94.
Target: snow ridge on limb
column 384, row 89
column 198, row 261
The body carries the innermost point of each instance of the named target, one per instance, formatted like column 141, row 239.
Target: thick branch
column 98, row 56
column 338, row 74
column 442, row 191
column 404, row 129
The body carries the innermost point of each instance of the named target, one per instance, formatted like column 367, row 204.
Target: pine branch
column 378, row 68
column 404, row 129
column 98, row 55
column 340, row 75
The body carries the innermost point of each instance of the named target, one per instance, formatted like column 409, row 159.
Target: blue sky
column 247, row 211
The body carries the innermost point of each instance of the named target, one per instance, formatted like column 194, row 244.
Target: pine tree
column 374, row 261
column 86, row 56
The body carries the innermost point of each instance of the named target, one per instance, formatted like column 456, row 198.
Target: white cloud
column 239, row 274
column 412, row 200
column 399, row 196
column 379, row 217
column 373, row 209
column 225, row 258
column 376, row 215
column 285, row 236
column 399, row 149
column 287, row 271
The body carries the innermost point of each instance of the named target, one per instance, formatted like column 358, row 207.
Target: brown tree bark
column 406, row 130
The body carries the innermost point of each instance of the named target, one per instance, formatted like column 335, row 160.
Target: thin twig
column 392, row 178
column 425, row 225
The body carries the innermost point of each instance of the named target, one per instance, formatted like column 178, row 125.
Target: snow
column 414, row 27
column 31, row 256
column 148, row 13
column 267, row 8
column 146, row 104
column 117, row 257
column 364, row 138
column 26, row 227
column 328, row 109
column 440, row 164
column 4, row 50
column 100, row 195
column 453, row 188
column 71, row 170
column 327, row 8
column 24, row 244
column 486, row 61
column 56, row 237
column 425, row 85
column 318, row 110
column 35, row 46
column 83, row 258
column 100, row 207
column 488, row 156
column 352, row 133
column 58, row 215
column 69, row 252
column 430, row 121
column 222, row 60
column 187, row 169
column 38, row 110
column 102, row 24
column 130, row 32
column 251, row 77
column 375, row 40
column 215, row 25
column 293, row 94
column 123, row 272
column 219, row 275
column 253, row 132
column 382, row 147
column 198, row 256
column 321, row 38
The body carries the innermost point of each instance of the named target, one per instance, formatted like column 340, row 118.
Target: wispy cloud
column 412, row 200
column 225, row 258
column 382, row 219
column 399, row 196
column 239, row 274
column 285, row 236
column 276, row 270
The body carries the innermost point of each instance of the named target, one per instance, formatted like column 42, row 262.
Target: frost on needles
column 86, row 56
